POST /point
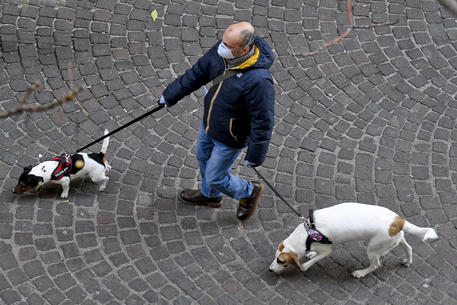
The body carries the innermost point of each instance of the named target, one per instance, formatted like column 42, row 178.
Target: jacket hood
column 266, row 56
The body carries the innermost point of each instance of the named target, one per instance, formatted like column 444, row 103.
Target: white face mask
column 224, row 51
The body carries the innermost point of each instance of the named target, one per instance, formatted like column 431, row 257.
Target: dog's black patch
column 26, row 181
column 74, row 158
column 29, row 180
column 98, row 157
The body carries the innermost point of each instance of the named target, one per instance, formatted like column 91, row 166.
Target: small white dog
column 349, row 221
column 63, row 168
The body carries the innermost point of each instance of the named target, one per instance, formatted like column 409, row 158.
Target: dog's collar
column 63, row 168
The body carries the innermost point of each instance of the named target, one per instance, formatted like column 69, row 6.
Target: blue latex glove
column 250, row 164
column 162, row 101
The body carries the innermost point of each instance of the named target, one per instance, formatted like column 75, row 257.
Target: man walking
column 238, row 112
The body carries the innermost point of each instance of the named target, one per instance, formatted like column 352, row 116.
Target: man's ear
column 246, row 50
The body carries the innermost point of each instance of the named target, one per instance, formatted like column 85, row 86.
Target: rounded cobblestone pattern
column 370, row 119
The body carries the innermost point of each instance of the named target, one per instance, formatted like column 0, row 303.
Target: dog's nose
column 269, row 269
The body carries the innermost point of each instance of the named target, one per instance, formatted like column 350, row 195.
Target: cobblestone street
column 371, row 118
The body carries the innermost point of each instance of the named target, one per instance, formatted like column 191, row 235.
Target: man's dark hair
column 247, row 37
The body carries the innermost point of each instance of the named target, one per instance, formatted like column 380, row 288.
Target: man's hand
column 162, row 101
column 250, row 164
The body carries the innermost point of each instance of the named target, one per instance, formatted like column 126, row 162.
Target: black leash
column 123, row 126
column 279, row 195
column 313, row 234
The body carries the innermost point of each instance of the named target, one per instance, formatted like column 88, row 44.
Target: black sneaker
column 195, row 197
column 249, row 204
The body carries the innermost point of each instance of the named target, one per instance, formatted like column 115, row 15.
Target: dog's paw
column 311, row 254
column 64, row 195
column 406, row 262
column 358, row 274
column 102, row 186
column 304, row 267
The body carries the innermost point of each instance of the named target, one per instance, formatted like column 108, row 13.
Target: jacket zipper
column 212, row 101
column 211, row 106
column 230, row 128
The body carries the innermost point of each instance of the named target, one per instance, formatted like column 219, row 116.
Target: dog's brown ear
column 295, row 260
column 284, row 258
column 288, row 258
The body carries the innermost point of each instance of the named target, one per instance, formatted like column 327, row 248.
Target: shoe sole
column 210, row 204
column 256, row 204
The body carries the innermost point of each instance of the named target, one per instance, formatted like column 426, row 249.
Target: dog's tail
column 424, row 233
column 105, row 143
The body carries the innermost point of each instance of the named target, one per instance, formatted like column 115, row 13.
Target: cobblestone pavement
column 371, row 118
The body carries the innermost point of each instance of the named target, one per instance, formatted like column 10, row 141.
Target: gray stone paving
column 372, row 119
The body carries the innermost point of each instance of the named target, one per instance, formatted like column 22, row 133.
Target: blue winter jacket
column 240, row 110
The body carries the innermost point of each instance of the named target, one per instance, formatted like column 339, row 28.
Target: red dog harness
column 63, row 167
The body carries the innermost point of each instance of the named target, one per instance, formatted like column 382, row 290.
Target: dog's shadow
column 48, row 191
column 53, row 190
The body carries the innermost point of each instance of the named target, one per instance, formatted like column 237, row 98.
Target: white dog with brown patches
column 382, row 228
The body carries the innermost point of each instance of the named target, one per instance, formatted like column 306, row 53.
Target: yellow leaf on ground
column 154, row 15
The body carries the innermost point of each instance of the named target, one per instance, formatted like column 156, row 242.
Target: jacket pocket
column 231, row 128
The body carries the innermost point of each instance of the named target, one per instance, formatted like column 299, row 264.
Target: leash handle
column 123, row 126
column 277, row 194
